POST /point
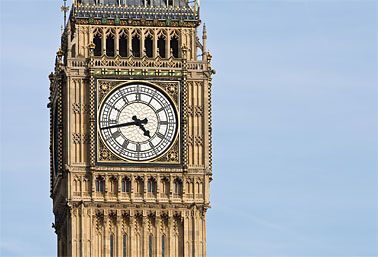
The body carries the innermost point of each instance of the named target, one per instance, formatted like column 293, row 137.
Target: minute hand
column 121, row 125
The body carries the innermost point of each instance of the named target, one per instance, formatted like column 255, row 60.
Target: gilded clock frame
column 171, row 89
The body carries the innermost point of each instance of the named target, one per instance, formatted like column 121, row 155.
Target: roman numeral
column 161, row 109
column 159, row 135
column 116, row 134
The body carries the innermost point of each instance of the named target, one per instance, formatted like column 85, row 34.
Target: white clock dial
column 137, row 122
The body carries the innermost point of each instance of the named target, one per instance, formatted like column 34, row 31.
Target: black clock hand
column 139, row 121
column 122, row 125
column 145, row 132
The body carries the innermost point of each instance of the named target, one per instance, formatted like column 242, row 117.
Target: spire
column 65, row 9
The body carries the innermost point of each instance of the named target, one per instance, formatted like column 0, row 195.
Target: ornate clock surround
column 172, row 89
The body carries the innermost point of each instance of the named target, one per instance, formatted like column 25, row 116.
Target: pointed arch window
column 136, row 46
column 97, row 42
column 163, row 246
column 148, row 46
column 123, row 46
column 110, row 46
column 124, row 246
column 161, row 47
column 125, row 186
column 99, row 184
column 111, row 246
column 174, row 47
column 150, row 246
column 151, row 186
column 178, row 187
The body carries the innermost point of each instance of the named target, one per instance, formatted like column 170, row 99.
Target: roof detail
column 137, row 9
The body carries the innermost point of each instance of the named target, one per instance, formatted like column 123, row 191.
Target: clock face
column 137, row 122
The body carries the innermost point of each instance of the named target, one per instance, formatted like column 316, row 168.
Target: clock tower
column 130, row 101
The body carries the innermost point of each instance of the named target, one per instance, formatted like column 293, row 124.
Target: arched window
column 123, row 46
column 139, row 186
column 124, row 246
column 99, row 184
column 161, row 47
column 136, row 46
column 113, row 185
column 163, row 246
column 174, row 47
column 125, row 186
column 151, row 186
column 148, row 46
column 166, row 189
column 178, row 187
column 111, row 246
column 150, row 246
column 110, row 46
column 97, row 42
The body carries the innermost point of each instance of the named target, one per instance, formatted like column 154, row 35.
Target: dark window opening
column 163, row 246
column 125, row 186
column 174, row 47
column 99, row 185
column 151, row 186
column 97, row 42
column 148, row 2
column 178, row 187
column 161, row 46
column 111, row 246
column 110, row 46
column 148, row 46
column 136, row 46
column 170, row 2
column 123, row 46
column 124, row 245
column 150, row 246
column 73, row 51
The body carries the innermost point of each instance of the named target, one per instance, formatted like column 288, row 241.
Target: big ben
column 130, row 108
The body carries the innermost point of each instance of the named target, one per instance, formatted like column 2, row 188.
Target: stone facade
column 107, row 206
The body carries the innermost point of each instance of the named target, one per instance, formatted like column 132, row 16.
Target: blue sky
column 295, row 127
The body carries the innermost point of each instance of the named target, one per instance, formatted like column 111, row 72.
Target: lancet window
column 97, row 42
column 136, row 46
column 100, row 184
column 151, row 186
column 161, row 46
column 174, row 47
column 126, row 185
column 122, row 44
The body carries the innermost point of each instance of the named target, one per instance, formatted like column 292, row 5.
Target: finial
column 60, row 52
column 204, row 32
column 65, row 9
column 204, row 43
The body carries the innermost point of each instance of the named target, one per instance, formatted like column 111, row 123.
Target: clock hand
column 121, row 125
column 138, row 121
column 145, row 132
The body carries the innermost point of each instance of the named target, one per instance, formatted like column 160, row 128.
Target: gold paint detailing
column 60, row 52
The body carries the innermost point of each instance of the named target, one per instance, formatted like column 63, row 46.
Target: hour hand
column 121, row 125
column 145, row 132
column 138, row 121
